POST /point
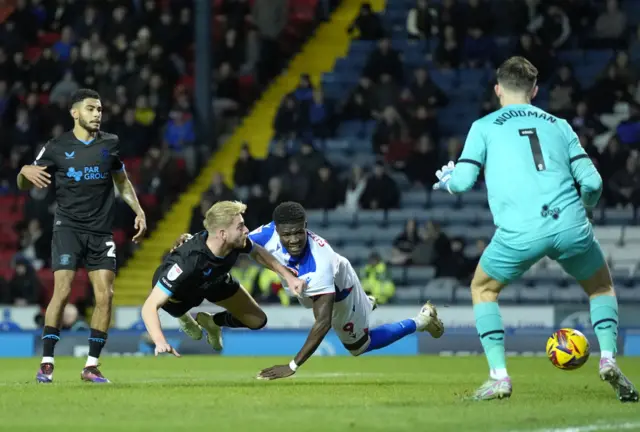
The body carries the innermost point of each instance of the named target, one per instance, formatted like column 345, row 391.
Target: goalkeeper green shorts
column 575, row 249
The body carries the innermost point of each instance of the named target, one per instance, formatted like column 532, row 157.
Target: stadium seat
column 316, row 218
column 571, row 294
column 536, row 294
column 409, row 294
column 400, row 216
column 631, row 235
column 414, row 198
column 628, row 294
column 462, row 294
column 419, row 274
column 511, row 293
column 614, row 216
column 370, row 217
column 443, row 200
column 385, row 236
column 439, row 293
column 340, row 217
column 608, row 234
column 398, row 275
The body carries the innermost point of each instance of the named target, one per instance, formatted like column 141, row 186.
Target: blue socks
column 389, row 333
column 604, row 318
column 491, row 332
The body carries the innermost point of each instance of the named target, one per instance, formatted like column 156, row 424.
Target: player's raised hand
column 275, row 372
column 141, row 225
column 444, row 175
column 166, row 348
column 181, row 240
column 37, row 175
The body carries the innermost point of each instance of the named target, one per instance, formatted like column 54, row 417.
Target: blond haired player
column 199, row 270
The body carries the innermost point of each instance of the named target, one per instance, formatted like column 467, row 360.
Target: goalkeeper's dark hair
column 517, row 74
column 82, row 94
column 289, row 212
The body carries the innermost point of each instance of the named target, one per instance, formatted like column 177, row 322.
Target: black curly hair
column 289, row 212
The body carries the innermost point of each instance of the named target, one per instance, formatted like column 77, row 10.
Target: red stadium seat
column 32, row 53
column 119, row 237
column 48, row 39
column 6, row 273
column 148, row 201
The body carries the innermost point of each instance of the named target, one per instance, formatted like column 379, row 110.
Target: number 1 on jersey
column 534, row 141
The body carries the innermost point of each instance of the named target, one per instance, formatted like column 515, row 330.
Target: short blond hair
column 222, row 213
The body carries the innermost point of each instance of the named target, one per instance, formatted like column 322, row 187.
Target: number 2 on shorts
column 111, row 253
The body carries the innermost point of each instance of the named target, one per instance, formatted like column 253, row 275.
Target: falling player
column 86, row 164
column 333, row 292
column 531, row 160
column 199, row 269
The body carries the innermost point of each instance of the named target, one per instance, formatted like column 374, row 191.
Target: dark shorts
column 72, row 249
column 186, row 298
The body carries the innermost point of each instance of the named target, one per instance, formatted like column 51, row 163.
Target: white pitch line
column 589, row 428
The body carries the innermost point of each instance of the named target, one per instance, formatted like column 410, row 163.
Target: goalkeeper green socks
column 491, row 332
column 604, row 317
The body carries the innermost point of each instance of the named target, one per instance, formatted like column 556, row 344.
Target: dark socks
column 97, row 339
column 50, row 337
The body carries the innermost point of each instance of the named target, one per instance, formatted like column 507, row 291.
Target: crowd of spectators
column 405, row 104
column 139, row 56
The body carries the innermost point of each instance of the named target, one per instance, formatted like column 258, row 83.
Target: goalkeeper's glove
column 444, row 175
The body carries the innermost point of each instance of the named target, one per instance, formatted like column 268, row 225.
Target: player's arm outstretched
column 460, row 177
column 154, row 302
column 323, row 312
column 128, row 194
column 265, row 259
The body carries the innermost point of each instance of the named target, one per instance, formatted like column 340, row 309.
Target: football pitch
column 328, row 394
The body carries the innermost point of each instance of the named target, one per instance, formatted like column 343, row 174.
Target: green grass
column 327, row 394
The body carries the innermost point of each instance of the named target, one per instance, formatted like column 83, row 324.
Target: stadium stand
column 139, row 56
column 360, row 119
column 399, row 104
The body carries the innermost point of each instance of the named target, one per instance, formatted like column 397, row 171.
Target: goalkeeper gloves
column 444, row 175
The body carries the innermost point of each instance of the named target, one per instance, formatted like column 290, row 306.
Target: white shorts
column 351, row 316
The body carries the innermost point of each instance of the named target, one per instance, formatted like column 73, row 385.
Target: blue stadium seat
column 536, row 294
column 409, row 294
column 441, row 199
column 574, row 57
column 457, row 231
column 316, row 218
column 400, row 216
column 340, row 217
column 462, row 217
column 419, row 274
column 336, row 145
column 398, row 275
column 370, row 217
column 358, row 255
column 615, row 216
column 441, row 290
column 385, row 236
column 337, row 159
column 462, row 294
column 571, row 294
column 628, row 294
column 365, row 160
column 511, row 294
column 474, row 197
column 598, row 57
column 414, row 198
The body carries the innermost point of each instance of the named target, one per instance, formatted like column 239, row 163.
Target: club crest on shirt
column 174, row 272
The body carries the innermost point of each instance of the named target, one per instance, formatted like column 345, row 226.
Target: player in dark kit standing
column 86, row 164
column 199, row 270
